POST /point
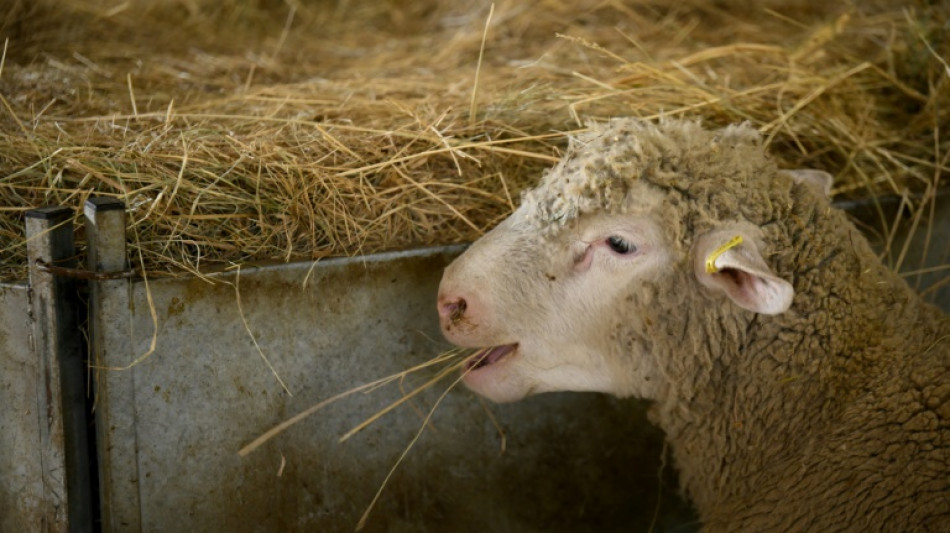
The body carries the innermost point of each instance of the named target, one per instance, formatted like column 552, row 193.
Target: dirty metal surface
column 57, row 347
column 22, row 496
column 206, row 391
column 110, row 338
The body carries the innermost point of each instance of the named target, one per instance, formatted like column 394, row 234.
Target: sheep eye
column 619, row 245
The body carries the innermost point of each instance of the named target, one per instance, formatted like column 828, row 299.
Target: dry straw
column 452, row 362
column 244, row 130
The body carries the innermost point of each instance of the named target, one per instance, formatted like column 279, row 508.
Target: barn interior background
column 240, row 132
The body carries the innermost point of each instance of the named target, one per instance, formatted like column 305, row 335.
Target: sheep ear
column 819, row 180
column 730, row 262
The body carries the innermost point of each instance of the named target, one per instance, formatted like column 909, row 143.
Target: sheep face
column 547, row 305
column 560, row 295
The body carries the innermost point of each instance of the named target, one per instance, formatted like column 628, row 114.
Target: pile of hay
column 251, row 130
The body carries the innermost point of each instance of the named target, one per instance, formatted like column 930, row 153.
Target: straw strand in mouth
column 406, row 397
column 365, row 388
column 452, row 361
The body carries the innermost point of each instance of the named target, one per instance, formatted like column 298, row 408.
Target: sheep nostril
column 453, row 310
column 458, row 311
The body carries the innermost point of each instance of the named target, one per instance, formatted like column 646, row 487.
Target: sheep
column 801, row 384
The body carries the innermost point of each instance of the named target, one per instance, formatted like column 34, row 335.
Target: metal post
column 116, row 437
column 57, row 342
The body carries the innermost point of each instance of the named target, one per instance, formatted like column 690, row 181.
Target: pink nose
column 462, row 316
column 451, row 308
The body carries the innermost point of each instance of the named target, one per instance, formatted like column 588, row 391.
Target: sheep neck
column 762, row 393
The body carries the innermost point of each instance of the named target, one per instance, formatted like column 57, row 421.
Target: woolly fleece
column 833, row 416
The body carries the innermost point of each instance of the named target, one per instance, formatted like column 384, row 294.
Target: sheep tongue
column 489, row 356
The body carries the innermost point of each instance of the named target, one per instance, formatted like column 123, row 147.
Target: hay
column 244, row 130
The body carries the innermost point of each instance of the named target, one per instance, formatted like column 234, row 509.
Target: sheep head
column 637, row 219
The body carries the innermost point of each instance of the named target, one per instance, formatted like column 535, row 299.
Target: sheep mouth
column 488, row 356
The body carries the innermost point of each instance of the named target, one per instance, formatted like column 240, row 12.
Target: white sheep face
column 550, row 305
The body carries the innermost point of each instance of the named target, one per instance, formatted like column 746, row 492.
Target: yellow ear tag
column 711, row 259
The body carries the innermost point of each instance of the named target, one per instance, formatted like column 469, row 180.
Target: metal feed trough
column 185, row 372
column 183, row 379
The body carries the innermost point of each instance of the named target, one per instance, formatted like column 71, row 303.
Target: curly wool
column 832, row 416
column 601, row 165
